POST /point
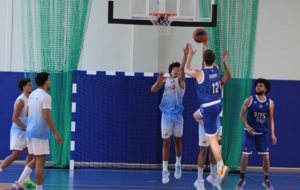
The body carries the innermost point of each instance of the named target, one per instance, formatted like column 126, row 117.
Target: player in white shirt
column 18, row 128
column 172, row 118
column 38, row 131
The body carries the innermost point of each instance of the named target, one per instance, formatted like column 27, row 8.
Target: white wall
column 133, row 48
column 278, row 40
column 3, row 27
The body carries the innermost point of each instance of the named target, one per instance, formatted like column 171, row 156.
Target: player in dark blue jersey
column 257, row 124
column 203, row 140
column 209, row 93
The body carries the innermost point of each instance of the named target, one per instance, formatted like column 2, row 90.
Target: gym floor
column 281, row 179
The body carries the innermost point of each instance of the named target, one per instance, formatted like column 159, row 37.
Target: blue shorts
column 260, row 141
column 210, row 118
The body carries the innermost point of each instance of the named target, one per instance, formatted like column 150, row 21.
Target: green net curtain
column 235, row 31
column 53, row 33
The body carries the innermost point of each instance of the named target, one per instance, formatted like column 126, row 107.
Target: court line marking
column 136, row 171
column 46, row 176
column 255, row 182
column 251, row 167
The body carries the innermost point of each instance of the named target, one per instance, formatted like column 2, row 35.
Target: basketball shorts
column 171, row 124
column 203, row 140
column 38, row 146
column 17, row 139
column 260, row 141
column 210, row 116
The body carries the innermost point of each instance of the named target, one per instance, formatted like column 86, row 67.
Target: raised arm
column 227, row 75
column 271, row 122
column 15, row 118
column 205, row 45
column 242, row 116
column 181, row 76
column 159, row 83
column 195, row 73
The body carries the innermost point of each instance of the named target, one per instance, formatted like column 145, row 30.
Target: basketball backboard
column 136, row 12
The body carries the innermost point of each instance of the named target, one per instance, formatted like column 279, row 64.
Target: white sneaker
column 199, row 184
column 178, row 172
column 165, row 177
column 222, row 175
column 214, row 182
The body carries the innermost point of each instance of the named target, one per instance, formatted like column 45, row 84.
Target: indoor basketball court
column 112, row 64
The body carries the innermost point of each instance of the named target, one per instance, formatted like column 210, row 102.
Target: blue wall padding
column 118, row 120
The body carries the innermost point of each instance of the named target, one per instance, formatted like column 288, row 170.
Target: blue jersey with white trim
column 210, row 89
column 258, row 114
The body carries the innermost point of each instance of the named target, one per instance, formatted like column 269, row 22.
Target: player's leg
column 210, row 115
column 248, row 144
column 39, row 171
column 178, row 132
column 166, row 133
column 212, row 160
column 17, row 143
column 198, row 117
column 178, row 149
column 29, row 159
column 262, row 147
column 203, row 143
column 28, row 169
column 212, row 178
column 10, row 159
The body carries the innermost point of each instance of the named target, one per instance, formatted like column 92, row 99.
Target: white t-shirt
column 37, row 126
column 22, row 116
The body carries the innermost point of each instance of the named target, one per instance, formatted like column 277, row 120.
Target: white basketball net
column 161, row 25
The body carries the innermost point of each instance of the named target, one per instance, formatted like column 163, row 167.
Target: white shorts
column 38, row 146
column 17, row 139
column 203, row 140
column 171, row 123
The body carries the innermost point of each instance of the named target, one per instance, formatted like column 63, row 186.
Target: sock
column 200, row 173
column 24, row 175
column 213, row 170
column 266, row 177
column 27, row 179
column 39, row 187
column 1, row 170
column 165, row 165
column 242, row 176
column 178, row 161
column 220, row 165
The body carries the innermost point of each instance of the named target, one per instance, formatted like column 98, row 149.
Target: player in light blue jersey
column 203, row 139
column 18, row 128
column 38, row 130
column 171, row 107
column 257, row 124
column 209, row 93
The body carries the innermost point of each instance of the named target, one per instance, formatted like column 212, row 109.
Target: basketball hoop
column 161, row 23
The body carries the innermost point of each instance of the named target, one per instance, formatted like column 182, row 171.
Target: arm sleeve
column 47, row 103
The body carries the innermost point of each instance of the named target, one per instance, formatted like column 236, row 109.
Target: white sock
column 27, row 178
column 24, row 175
column 1, row 170
column 165, row 165
column 200, row 173
column 178, row 161
column 39, row 187
column 220, row 165
column 213, row 170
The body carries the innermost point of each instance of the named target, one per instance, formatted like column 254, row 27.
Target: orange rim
column 163, row 14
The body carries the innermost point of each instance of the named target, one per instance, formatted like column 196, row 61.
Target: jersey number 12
column 215, row 87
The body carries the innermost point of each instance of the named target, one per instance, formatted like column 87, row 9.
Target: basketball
column 200, row 35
